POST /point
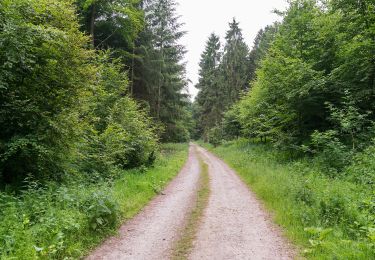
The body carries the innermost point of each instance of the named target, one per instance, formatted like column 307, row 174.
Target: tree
column 63, row 106
column 262, row 44
column 223, row 77
column 159, row 73
column 45, row 68
column 235, row 65
column 211, row 94
column 322, row 52
column 111, row 23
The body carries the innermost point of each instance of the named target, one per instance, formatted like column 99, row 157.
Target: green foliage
column 158, row 70
column 235, row 65
column 209, row 106
column 129, row 137
column 262, row 43
column 60, row 221
column 231, row 125
column 113, row 23
column 45, row 68
column 330, row 152
column 44, row 221
column 63, row 108
column 222, row 78
column 362, row 170
column 103, row 211
column 328, row 218
column 305, row 82
column 215, row 136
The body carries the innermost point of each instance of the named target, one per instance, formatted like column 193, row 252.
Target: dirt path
column 151, row 234
column 234, row 224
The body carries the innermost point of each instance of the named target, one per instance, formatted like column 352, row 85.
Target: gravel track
column 234, row 224
column 152, row 233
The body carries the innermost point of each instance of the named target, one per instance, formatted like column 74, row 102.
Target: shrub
column 362, row 170
column 102, row 211
column 330, row 152
column 215, row 135
column 44, row 70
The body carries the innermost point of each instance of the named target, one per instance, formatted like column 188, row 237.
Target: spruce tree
column 235, row 65
column 159, row 73
column 210, row 96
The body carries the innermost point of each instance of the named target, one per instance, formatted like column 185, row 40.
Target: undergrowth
column 329, row 218
column 60, row 221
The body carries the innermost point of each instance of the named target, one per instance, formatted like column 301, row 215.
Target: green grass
column 185, row 243
column 58, row 221
column 327, row 218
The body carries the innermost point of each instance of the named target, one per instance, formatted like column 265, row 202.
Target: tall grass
column 58, row 221
column 329, row 218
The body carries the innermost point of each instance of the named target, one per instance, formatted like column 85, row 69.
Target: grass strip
column 185, row 243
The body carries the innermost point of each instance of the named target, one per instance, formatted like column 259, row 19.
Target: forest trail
column 152, row 233
column 233, row 226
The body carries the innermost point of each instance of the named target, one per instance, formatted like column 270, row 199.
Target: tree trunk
column 132, row 83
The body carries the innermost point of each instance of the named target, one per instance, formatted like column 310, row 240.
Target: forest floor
column 234, row 224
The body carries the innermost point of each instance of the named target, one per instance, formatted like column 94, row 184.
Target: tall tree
column 235, row 65
column 44, row 70
column 211, row 95
column 262, row 43
column 159, row 74
column 223, row 76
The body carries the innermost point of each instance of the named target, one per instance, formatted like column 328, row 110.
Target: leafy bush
column 44, row 70
column 102, row 211
column 330, row 152
column 116, row 132
column 44, row 220
column 362, row 169
column 215, row 135
column 63, row 107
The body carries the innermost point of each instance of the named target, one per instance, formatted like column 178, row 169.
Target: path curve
column 234, row 225
column 152, row 233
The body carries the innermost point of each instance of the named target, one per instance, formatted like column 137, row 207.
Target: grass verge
column 65, row 221
column 184, row 245
column 328, row 218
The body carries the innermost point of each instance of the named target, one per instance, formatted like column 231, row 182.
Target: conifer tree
column 235, row 65
column 159, row 73
column 210, row 96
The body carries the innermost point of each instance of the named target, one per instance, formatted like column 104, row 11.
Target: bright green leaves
column 63, row 107
column 44, row 69
column 319, row 55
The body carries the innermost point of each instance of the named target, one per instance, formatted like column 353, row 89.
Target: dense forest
column 92, row 90
column 312, row 83
column 88, row 86
column 300, row 107
column 89, row 89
